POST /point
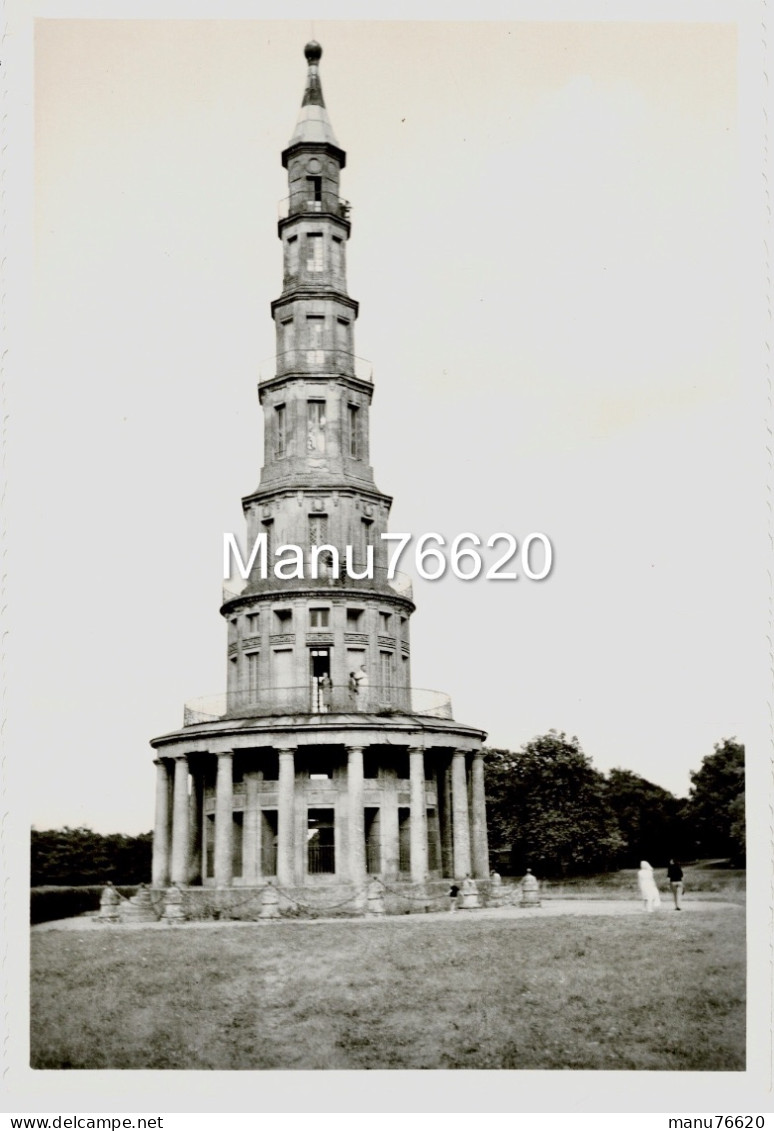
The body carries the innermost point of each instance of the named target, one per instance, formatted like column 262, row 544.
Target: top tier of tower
column 316, row 400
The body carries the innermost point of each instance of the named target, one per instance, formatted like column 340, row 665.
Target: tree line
column 79, row 857
column 549, row 809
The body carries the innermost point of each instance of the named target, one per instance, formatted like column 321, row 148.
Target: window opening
column 283, row 619
column 353, row 427
column 268, row 841
column 268, row 530
column 318, row 530
column 316, row 426
column 280, row 434
column 293, row 255
column 252, row 672
column 354, row 620
column 404, row 840
column 320, row 841
column 320, row 678
column 385, row 671
column 319, row 618
column 314, row 251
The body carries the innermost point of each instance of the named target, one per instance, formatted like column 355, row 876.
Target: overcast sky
column 546, row 248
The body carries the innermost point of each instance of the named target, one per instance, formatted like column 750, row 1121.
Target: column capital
column 180, row 758
column 224, row 754
column 417, row 749
column 355, row 748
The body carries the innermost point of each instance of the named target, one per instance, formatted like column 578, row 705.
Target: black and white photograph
column 387, row 662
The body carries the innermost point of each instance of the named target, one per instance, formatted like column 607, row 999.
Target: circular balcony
column 378, row 579
column 316, row 363
column 300, row 205
column 316, row 699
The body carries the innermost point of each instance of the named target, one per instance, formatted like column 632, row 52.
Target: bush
column 49, row 903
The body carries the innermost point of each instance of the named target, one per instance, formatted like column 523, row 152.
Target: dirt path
column 549, row 909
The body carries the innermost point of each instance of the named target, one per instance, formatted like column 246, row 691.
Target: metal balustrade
column 300, row 205
column 316, row 699
column 320, row 858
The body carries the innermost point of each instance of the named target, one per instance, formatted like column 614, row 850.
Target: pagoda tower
column 320, row 765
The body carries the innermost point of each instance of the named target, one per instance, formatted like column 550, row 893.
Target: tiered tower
column 321, row 764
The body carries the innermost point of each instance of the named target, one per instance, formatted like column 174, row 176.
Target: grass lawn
column 704, row 879
column 662, row 991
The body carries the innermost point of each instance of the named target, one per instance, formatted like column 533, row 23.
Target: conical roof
column 313, row 124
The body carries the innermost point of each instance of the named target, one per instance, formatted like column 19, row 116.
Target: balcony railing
column 315, row 698
column 320, row 858
column 300, row 205
column 313, row 362
column 379, row 580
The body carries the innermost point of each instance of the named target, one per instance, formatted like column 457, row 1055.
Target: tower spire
column 313, row 125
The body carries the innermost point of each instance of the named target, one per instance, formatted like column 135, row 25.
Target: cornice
column 316, row 292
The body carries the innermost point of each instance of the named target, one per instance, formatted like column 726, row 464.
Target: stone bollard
column 375, row 902
column 269, row 903
column 109, row 904
column 139, row 909
column 495, row 890
column 173, row 905
column 530, row 891
column 469, row 894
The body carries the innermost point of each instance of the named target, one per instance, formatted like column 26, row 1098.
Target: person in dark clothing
column 454, row 891
column 675, row 876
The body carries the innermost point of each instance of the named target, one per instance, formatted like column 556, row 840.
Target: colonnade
column 178, row 833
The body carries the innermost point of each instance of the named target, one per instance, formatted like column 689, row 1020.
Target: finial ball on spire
column 313, row 51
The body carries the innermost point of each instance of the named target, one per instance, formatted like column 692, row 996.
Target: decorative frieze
column 387, row 641
column 282, row 638
column 356, row 637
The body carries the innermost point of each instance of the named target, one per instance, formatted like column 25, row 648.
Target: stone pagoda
column 320, row 767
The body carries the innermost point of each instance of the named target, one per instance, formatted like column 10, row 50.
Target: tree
column 649, row 818
column 715, row 808
column 79, row 856
column 547, row 805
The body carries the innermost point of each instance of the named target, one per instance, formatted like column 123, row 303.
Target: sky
column 548, row 246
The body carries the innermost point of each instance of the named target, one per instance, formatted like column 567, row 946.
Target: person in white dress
column 647, row 884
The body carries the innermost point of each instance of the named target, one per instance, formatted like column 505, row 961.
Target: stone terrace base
column 335, row 900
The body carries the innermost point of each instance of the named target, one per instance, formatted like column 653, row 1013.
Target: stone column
column 461, row 830
column 445, row 816
column 479, row 842
column 251, row 845
column 196, row 821
column 285, row 817
column 224, row 820
column 180, row 816
column 418, row 826
column 389, row 821
column 356, row 813
column 160, row 869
